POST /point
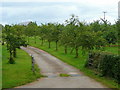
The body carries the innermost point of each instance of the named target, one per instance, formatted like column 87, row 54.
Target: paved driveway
column 52, row 67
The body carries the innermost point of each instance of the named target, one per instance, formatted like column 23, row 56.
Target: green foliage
column 118, row 30
column 111, row 36
column 106, row 64
column 77, row 34
column 108, row 31
column 73, row 33
column 95, row 26
column 14, row 38
column 30, row 29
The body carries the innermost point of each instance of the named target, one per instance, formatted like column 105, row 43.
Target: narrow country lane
column 52, row 67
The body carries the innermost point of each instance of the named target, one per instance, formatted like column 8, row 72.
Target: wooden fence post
column 33, row 64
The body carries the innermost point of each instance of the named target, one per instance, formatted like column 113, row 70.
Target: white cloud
column 87, row 10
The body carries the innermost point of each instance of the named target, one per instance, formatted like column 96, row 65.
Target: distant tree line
column 73, row 33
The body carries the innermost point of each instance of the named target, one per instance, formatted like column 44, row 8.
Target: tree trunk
column 49, row 44
column 10, row 53
column 56, row 45
column 76, row 52
column 65, row 49
column 7, row 46
column 14, row 52
column 11, row 61
column 2, row 42
column 71, row 50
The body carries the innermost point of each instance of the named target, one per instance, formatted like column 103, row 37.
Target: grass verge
column 19, row 73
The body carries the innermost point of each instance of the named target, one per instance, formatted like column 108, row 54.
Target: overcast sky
column 44, row 11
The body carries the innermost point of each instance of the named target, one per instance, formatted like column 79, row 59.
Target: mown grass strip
column 19, row 73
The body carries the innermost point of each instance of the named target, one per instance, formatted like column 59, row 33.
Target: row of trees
column 72, row 34
column 76, row 34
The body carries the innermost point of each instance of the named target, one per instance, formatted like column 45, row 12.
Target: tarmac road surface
column 52, row 68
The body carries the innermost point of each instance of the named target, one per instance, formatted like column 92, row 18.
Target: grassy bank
column 76, row 62
column 19, row 73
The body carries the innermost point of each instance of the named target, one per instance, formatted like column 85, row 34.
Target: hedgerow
column 106, row 64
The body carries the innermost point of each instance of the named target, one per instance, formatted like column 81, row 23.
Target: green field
column 76, row 62
column 19, row 73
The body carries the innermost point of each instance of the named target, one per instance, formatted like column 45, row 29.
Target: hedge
column 106, row 64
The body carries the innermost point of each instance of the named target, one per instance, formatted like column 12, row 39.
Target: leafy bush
column 106, row 64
